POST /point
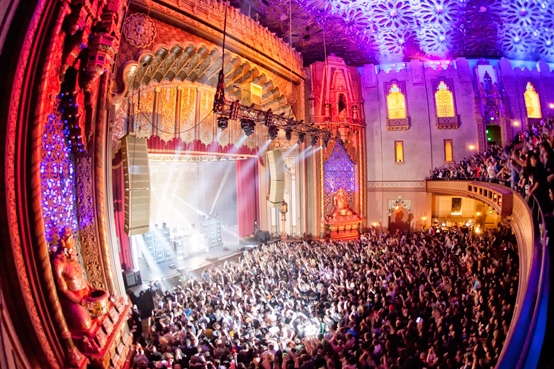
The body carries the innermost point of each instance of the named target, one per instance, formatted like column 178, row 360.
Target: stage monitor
column 137, row 185
column 276, row 170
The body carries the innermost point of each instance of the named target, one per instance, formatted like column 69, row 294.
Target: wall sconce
column 472, row 147
column 516, row 123
column 284, row 207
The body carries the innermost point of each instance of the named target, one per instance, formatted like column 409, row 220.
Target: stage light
column 269, row 118
column 247, row 126
column 472, row 147
column 551, row 105
column 288, row 134
column 301, row 136
column 273, row 132
column 315, row 139
column 222, row 123
column 325, row 142
column 516, row 123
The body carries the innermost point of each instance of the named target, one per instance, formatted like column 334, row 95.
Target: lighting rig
column 249, row 117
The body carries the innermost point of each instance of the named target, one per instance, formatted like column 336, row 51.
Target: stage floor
column 192, row 266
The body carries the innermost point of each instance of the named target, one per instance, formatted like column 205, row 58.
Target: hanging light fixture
column 247, row 126
column 315, row 140
column 288, row 134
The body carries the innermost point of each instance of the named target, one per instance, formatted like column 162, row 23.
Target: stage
column 192, row 266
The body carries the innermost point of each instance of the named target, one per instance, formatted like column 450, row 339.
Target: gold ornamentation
column 90, row 245
column 166, row 122
column 144, row 116
column 118, row 128
column 187, row 116
column 206, row 128
column 139, row 30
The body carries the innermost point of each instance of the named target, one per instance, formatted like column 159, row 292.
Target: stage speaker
column 263, row 236
column 276, row 171
column 137, row 185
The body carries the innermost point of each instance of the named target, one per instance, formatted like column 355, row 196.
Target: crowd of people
column 383, row 301
column 526, row 165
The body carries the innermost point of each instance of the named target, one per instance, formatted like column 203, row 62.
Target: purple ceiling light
column 370, row 31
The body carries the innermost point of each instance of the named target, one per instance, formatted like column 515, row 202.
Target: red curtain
column 176, row 145
column 246, row 196
column 118, row 183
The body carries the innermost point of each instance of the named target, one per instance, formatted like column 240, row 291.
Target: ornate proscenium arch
column 198, row 63
column 190, row 69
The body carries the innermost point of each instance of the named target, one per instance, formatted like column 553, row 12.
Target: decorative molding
column 393, row 185
column 247, row 36
column 90, row 244
column 398, row 124
column 196, row 157
column 139, row 30
column 447, row 122
column 393, row 204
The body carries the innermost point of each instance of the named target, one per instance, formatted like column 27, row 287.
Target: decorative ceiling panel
column 380, row 31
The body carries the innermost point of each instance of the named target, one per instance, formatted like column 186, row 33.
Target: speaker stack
column 276, row 171
column 137, row 185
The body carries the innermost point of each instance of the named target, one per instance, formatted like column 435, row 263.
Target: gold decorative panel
column 206, row 126
column 143, row 118
column 187, row 113
column 166, row 123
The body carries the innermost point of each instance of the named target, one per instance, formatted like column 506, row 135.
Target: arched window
column 532, row 102
column 396, row 103
column 444, row 101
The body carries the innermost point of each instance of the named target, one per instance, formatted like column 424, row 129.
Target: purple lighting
column 339, row 172
column 57, row 178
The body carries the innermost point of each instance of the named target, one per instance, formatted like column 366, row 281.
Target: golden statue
column 76, row 295
column 340, row 205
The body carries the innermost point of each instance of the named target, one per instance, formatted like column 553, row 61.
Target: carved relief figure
column 75, row 293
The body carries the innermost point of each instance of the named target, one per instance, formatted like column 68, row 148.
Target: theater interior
column 276, row 184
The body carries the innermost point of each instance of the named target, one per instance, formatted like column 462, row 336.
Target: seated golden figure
column 75, row 293
column 340, row 205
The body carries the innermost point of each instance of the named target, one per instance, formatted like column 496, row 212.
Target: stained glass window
column 532, row 102
column 399, row 151
column 444, row 101
column 396, row 103
column 339, row 173
column 448, row 157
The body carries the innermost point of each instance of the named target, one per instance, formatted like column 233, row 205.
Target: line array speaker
column 276, row 171
column 137, row 185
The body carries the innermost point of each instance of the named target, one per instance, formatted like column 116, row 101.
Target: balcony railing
column 523, row 345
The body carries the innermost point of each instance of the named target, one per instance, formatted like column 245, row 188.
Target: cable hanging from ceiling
column 249, row 116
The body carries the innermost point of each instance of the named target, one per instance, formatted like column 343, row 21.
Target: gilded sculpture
column 340, row 204
column 77, row 296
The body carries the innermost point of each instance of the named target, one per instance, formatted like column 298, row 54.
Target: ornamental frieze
column 139, row 30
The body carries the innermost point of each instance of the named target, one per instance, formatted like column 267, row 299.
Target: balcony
column 447, row 122
column 398, row 124
column 526, row 335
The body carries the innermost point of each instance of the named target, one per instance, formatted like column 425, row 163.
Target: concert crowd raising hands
column 384, row 301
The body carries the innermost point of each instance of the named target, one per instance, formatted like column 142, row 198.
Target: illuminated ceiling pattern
column 380, row 31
